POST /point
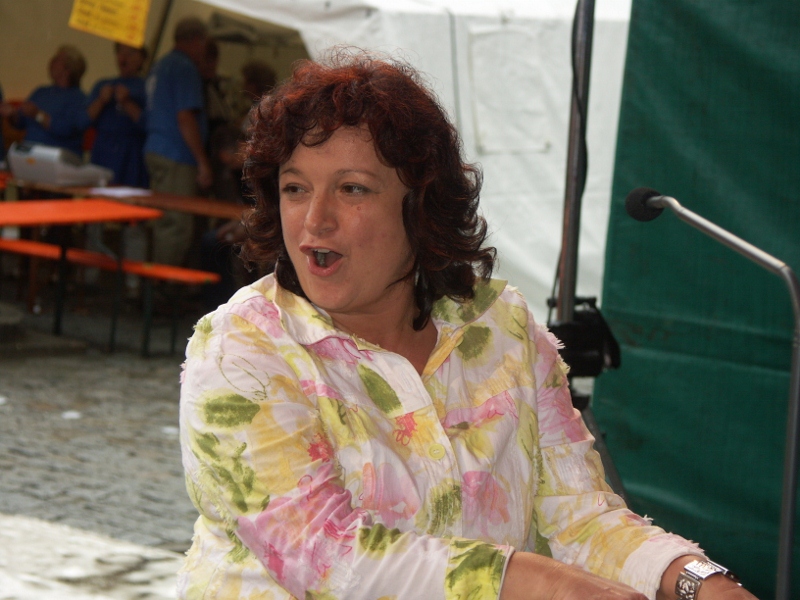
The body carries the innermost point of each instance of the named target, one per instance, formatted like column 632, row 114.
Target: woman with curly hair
column 379, row 418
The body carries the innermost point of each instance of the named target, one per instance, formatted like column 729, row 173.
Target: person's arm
column 585, row 523
column 716, row 587
column 101, row 99
column 190, row 131
column 128, row 105
column 30, row 110
column 532, row 577
column 261, row 467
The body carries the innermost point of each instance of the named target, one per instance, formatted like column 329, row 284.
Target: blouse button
column 436, row 451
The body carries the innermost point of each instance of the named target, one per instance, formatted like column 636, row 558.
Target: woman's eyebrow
column 366, row 172
column 285, row 170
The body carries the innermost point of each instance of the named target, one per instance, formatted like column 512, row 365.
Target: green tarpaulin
column 695, row 418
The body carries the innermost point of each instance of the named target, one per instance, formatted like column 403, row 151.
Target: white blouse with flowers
column 324, row 467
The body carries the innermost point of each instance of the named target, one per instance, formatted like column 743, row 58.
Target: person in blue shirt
column 176, row 131
column 116, row 108
column 2, row 139
column 55, row 114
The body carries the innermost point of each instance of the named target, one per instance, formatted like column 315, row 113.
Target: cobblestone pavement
column 91, row 441
column 92, row 498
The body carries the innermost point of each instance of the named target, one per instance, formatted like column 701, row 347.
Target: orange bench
column 146, row 270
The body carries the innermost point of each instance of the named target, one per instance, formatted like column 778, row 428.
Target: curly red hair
column 411, row 133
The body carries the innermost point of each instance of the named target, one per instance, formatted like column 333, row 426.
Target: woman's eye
column 353, row 188
column 291, row 188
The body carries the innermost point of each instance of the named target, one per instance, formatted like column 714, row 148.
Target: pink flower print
column 558, row 419
column 300, row 538
column 336, row 348
column 392, row 497
column 320, row 448
column 406, row 426
column 476, row 416
column 485, row 502
column 318, row 388
column 266, row 317
column 547, row 346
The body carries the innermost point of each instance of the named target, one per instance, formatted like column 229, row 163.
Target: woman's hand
column 106, row 93
column 533, row 577
column 29, row 109
column 121, row 93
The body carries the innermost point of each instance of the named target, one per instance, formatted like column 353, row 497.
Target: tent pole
column 582, row 29
column 454, row 63
column 162, row 23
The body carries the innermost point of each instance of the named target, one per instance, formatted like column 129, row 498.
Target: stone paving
column 40, row 560
column 92, row 498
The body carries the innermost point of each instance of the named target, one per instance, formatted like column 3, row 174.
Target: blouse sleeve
column 584, row 522
column 263, row 475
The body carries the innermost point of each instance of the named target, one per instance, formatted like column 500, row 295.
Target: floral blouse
column 324, row 467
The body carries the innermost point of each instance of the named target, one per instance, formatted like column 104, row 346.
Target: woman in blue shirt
column 55, row 114
column 116, row 107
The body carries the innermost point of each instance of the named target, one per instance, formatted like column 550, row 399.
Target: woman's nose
column 321, row 214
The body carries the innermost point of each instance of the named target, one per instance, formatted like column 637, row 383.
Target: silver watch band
column 694, row 573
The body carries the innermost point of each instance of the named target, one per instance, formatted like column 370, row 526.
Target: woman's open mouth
column 325, row 258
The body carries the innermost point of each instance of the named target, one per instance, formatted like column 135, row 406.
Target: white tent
column 503, row 70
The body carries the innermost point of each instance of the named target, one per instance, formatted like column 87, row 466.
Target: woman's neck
column 393, row 331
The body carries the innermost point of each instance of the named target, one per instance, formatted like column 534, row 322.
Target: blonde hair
column 74, row 61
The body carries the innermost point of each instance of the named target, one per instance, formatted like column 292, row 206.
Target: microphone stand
column 584, row 331
column 790, row 463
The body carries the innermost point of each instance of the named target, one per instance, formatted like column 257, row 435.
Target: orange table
column 196, row 205
column 33, row 213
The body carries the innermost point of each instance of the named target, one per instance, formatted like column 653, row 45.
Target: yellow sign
column 122, row 21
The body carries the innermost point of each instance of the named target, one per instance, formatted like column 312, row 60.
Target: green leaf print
column 239, row 552
column 208, row 442
column 475, row 572
column 203, row 326
column 443, row 507
column 238, row 495
column 485, row 295
column 378, row 539
column 199, row 340
column 476, row 338
column 229, row 410
column 379, row 391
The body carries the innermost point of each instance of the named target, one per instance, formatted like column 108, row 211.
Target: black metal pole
column 583, row 27
column 162, row 23
column 582, row 31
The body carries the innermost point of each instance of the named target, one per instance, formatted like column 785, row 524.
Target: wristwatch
column 693, row 575
column 40, row 117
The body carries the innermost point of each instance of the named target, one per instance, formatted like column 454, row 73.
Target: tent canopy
column 503, row 70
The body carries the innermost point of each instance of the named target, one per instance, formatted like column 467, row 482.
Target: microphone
column 645, row 204
column 638, row 204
